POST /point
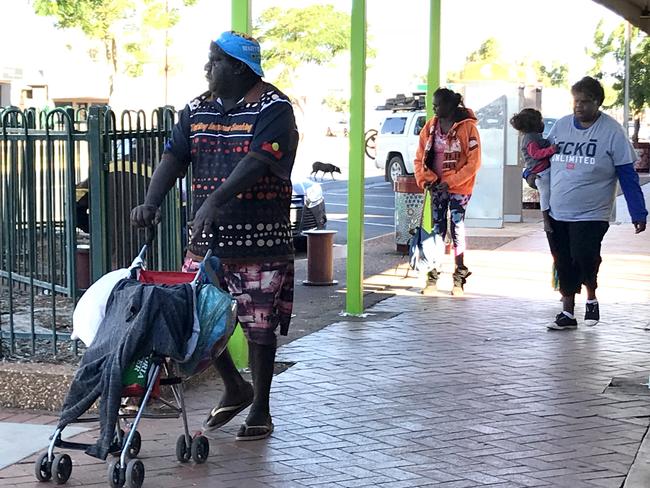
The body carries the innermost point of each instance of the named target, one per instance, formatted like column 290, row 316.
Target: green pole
column 241, row 16
column 241, row 22
column 354, row 296
column 433, row 78
column 433, row 75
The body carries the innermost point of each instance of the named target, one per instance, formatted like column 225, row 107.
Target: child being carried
column 536, row 152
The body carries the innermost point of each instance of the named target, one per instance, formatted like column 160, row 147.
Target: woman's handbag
column 424, row 247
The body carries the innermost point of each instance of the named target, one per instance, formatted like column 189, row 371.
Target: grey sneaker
column 592, row 314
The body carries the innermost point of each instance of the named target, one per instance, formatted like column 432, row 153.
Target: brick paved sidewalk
column 441, row 391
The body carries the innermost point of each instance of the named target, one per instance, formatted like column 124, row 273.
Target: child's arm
column 536, row 152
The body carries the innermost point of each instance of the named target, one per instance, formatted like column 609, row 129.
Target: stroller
column 220, row 310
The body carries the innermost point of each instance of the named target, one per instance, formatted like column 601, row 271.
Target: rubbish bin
column 320, row 258
column 83, row 266
column 408, row 209
column 642, row 165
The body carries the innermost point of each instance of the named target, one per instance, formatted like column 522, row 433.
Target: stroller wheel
column 136, row 444
column 61, row 468
column 115, row 474
column 134, row 473
column 43, row 468
column 183, row 453
column 200, row 449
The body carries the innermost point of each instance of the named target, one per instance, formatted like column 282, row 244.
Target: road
column 379, row 215
column 379, row 197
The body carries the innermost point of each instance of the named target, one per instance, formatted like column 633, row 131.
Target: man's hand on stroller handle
column 145, row 216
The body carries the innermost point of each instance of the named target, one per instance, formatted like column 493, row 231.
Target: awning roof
column 634, row 11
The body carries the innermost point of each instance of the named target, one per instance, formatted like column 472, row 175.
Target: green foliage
column 487, row 63
column 611, row 47
column 94, row 17
column 136, row 23
column 296, row 36
column 337, row 104
column 555, row 75
column 489, row 50
column 604, row 46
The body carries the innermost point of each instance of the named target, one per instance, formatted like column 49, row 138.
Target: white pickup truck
column 397, row 142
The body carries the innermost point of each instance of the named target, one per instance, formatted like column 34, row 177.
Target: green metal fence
column 68, row 181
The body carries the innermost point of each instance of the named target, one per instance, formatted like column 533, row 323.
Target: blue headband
column 241, row 47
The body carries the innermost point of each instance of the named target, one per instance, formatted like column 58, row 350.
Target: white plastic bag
column 91, row 308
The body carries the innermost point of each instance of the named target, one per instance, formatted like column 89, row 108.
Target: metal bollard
column 320, row 258
column 83, row 266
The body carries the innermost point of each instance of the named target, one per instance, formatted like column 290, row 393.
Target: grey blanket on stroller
column 140, row 319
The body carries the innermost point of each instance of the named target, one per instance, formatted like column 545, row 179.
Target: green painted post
column 241, row 16
column 433, row 75
column 354, row 296
column 241, row 22
column 433, row 79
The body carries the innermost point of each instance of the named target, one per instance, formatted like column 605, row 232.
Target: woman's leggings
column 454, row 205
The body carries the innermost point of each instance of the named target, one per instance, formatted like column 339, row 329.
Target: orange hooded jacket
column 462, row 157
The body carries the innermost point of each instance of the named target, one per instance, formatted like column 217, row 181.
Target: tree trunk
column 637, row 127
column 110, row 47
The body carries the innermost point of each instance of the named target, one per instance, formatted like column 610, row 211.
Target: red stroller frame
column 127, row 469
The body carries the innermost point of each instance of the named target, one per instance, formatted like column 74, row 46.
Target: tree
column 487, row 63
column 489, row 50
column 296, row 36
column 611, row 47
column 103, row 20
column 555, row 75
column 337, row 104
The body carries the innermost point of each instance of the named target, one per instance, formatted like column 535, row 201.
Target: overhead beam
column 630, row 10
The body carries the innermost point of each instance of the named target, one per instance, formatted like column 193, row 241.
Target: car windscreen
column 419, row 125
column 393, row 125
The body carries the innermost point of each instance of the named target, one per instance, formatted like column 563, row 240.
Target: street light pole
column 166, row 47
column 626, row 93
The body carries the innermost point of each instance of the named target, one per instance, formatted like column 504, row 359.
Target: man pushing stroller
column 240, row 139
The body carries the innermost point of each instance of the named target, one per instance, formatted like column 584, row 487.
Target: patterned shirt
column 255, row 224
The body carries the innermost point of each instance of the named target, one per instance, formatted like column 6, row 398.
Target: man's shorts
column 264, row 294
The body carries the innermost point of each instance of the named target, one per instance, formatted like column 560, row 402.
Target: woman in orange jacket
column 446, row 162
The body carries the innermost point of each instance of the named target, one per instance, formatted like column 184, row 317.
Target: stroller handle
column 150, row 235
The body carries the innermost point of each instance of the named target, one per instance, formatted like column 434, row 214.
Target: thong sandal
column 220, row 416
column 254, row 432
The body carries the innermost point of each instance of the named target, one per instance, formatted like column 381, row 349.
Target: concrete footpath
column 439, row 391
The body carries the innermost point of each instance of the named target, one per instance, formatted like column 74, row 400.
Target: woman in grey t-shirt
column 593, row 153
